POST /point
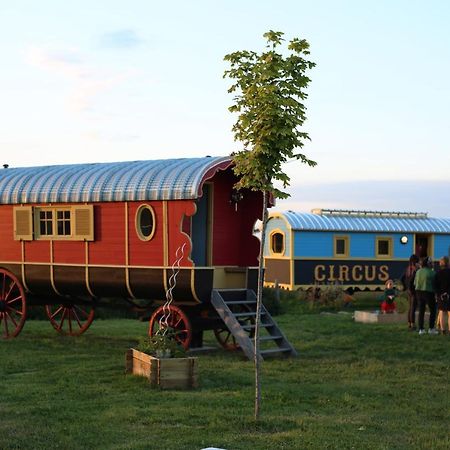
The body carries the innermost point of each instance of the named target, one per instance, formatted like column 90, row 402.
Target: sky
column 108, row 80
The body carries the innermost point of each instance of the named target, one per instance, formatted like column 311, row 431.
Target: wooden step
column 270, row 338
column 275, row 350
column 241, row 302
column 261, row 325
column 224, row 300
column 248, row 314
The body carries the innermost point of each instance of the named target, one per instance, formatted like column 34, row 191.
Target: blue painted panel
column 403, row 251
column 309, row 244
column 278, row 223
column 441, row 246
column 200, row 229
column 362, row 245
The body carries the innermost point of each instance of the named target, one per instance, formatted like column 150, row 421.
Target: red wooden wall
column 233, row 243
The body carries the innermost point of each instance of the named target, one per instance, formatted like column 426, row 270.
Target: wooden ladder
column 237, row 309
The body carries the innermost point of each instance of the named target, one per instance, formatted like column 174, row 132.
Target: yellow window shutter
column 23, row 223
column 84, row 222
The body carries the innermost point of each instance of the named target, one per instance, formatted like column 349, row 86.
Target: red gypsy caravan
column 73, row 234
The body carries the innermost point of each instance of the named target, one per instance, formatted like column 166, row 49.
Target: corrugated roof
column 165, row 179
column 316, row 222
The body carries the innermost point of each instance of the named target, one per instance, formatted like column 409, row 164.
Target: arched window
column 277, row 243
column 145, row 222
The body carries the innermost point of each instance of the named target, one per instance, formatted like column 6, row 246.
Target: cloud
column 382, row 195
column 86, row 82
column 121, row 39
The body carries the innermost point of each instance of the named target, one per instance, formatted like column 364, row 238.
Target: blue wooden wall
column 320, row 244
column 441, row 245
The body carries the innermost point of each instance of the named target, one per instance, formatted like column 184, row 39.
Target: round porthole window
column 145, row 222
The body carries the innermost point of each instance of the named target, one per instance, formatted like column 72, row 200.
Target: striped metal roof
column 165, row 179
column 317, row 222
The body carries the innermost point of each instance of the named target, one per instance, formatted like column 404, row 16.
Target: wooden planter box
column 378, row 317
column 167, row 373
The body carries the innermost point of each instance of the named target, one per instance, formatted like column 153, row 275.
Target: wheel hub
column 2, row 306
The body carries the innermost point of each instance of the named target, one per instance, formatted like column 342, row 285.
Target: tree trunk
column 258, row 308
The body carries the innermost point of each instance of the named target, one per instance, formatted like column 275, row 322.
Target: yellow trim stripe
column 52, row 275
column 86, row 267
column 22, row 266
column 127, row 255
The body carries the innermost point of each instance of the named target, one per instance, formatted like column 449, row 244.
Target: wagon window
column 75, row 223
column 384, row 247
column 46, row 223
column 277, row 243
column 63, row 223
column 341, row 246
column 145, row 222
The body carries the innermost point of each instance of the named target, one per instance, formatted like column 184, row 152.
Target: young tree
column 269, row 93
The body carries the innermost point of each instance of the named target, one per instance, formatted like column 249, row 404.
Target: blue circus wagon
column 356, row 249
column 172, row 233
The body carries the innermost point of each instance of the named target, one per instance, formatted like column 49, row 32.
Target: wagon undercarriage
column 230, row 315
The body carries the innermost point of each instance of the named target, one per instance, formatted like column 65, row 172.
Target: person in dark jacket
column 443, row 294
column 408, row 286
column 424, row 283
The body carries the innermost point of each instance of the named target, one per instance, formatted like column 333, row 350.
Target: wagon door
column 201, row 233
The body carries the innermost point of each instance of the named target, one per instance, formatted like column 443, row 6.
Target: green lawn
column 353, row 386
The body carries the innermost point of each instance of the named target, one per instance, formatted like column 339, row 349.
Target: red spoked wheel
column 176, row 319
column 226, row 339
column 224, row 336
column 71, row 318
column 13, row 307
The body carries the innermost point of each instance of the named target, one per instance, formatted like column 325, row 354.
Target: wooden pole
column 257, row 359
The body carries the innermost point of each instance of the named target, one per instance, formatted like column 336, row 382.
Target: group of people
column 426, row 287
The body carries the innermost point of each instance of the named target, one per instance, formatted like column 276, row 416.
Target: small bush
column 162, row 345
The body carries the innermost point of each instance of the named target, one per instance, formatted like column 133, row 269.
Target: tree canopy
column 270, row 90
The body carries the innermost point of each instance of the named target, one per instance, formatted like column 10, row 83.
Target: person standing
column 408, row 286
column 424, row 284
column 443, row 293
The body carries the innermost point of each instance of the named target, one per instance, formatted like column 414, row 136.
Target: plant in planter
column 162, row 345
column 161, row 358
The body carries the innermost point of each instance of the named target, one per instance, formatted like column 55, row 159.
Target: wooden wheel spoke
column 11, row 318
column 62, row 318
column 11, row 286
column 16, row 299
column 56, row 313
column 75, row 315
column 15, row 311
column 82, row 311
column 177, row 324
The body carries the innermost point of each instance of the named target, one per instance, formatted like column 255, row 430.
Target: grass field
column 353, row 386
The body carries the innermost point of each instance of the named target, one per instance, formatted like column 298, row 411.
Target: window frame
column 27, row 222
column 346, row 239
column 38, row 236
column 390, row 247
column 137, row 224
column 271, row 247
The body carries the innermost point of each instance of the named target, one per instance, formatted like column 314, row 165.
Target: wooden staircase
column 237, row 309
